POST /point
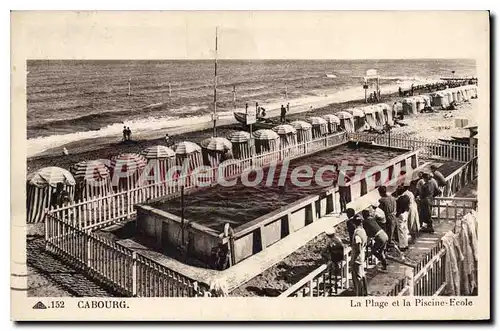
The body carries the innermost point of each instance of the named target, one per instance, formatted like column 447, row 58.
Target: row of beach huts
column 88, row 180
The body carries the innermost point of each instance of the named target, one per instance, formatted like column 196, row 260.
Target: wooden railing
column 107, row 210
column 324, row 281
column 461, row 177
column 429, row 148
column 428, row 277
column 118, row 268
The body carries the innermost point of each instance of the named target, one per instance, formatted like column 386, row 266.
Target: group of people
column 127, row 133
column 435, row 87
column 390, row 224
column 374, row 97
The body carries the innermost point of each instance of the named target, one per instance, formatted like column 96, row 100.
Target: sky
column 251, row 35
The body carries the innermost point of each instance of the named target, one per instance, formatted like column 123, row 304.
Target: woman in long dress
column 402, row 216
column 413, row 218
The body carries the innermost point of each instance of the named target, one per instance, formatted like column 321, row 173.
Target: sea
column 73, row 100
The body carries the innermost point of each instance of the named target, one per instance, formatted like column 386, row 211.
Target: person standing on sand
column 129, row 134
column 124, row 133
column 283, row 114
column 358, row 258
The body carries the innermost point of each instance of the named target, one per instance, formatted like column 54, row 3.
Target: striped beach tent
column 160, row 159
column 370, row 118
column 126, row 171
column 410, row 105
column 216, row 150
column 304, row 131
column 92, row 180
column 266, row 141
column 420, row 103
column 333, row 122
column 188, row 156
column 346, row 121
column 319, row 126
column 241, row 143
column 41, row 187
column 287, row 134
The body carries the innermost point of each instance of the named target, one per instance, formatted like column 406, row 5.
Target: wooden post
column 134, row 274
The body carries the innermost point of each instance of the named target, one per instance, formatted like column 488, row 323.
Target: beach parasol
column 93, row 179
column 239, row 137
column 316, row 121
column 129, row 166
column 343, row 115
column 41, row 185
column 320, row 126
column 186, row 147
column 216, row 144
column 300, row 125
column 331, row 119
column 265, row 134
column 90, row 170
column 356, row 112
column 51, row 176
column 158, row 152
column 284, row 129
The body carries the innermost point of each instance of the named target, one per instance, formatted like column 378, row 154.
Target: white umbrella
column 158, row 152
column 265, row 134
column 216, row 144
column 300, row 125
column 343, row 115
column 186, row 147
column 51, row 176
column 316, row 120
column 284, row 129
column 239, row 137
column 331, row 119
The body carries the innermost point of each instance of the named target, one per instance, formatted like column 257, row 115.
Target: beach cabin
column 266, row 141
column 466, row 93
column 188, row 156
column 420, row 103
column 460, row 95
column 319, row 127
column 409, row 106
column 386, row 113
column 160, row 160
column 43, row 187
column 92, row 179
column 427, row 100
column 346, row 121
column 216, row 150
column 127, row 171
column 359, row 118
column 370, row 120
column 454, row 93
column 333, row 123
column 304, row 131
column 439, row 100
column 287, row 134
column 241, row 142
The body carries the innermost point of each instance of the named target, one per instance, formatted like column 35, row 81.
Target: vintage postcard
column 266, row 165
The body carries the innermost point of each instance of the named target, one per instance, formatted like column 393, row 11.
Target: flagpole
column 215, row 86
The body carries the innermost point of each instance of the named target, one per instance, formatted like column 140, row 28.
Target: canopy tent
column 160, row 159
column 304, row 131
column 409, row 106
column 43, row 188
column 460, row 95
column 387, row 116
column 346, row 121
column 287, row 134
column 359, row 118
column 216, row 150
column 333, row 122
column 427, row 100
column 449, row 95
column 241, row 142
column 266, row 141
column 127, row 170
column 466, row 93
column 92, row 180
column 319, row 126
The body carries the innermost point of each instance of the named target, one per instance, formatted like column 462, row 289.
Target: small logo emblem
column 39, row 305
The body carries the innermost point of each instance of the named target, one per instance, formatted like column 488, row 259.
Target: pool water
column 239, row 204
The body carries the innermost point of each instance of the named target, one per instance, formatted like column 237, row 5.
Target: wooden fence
column 428, row 277
column 104, row 211
column 116, row 267
column 461, row 177
column 429, row 148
